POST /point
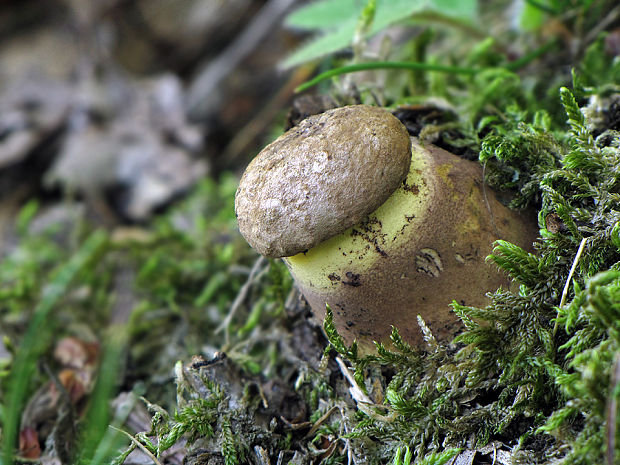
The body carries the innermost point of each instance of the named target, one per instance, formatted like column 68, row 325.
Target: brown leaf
column 72, row 352
column 75, row 384
column 29, row 446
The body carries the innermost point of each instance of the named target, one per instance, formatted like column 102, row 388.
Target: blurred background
column 128, row 103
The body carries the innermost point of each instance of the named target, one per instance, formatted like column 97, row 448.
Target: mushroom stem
column 423, row 248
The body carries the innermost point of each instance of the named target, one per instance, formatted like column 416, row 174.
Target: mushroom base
column 423, row 248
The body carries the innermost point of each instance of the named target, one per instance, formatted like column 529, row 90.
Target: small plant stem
column 419, row 66
column 320, row 421
column 409, row 65
column 572, row 271
column 364, row 403
column 255, row 274
column 531, row 56
column 137, row 444
column 567, row 284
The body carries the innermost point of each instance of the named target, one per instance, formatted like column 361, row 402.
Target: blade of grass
column 409, row 65
column 420, row 66
column 34, row 341
column 97, row 445
column 531, row 56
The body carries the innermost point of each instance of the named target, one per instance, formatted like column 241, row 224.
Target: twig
column 320, row 421
column 295, row 426
column 362, row 400
column 356, row 391
column 211, row 74
column 609, row 18
column 243, row 292
column 139, row 444
column 266, row 115
column 572, row 271
column 347, row 442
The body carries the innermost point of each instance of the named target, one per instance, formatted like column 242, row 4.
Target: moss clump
column 526, row 366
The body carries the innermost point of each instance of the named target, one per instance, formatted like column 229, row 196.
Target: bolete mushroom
column 376, row 225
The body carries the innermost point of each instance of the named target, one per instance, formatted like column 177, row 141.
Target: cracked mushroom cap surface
column 320, row 178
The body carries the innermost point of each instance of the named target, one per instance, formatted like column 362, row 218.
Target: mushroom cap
column 321, row 177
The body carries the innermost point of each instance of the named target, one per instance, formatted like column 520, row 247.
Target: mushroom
column 376, row 225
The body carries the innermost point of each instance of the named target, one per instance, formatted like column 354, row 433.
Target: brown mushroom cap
column 321, row 177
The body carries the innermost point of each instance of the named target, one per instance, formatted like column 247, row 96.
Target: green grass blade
column 408, row 65
column 34, row 340
column 99, row 443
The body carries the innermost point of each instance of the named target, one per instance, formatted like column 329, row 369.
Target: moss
column 524, row 366
column 527, row 372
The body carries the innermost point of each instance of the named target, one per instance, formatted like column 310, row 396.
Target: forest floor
column 137, row 326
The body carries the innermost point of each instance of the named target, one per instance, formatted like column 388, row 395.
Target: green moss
column 524, row 364
column 526, row 370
